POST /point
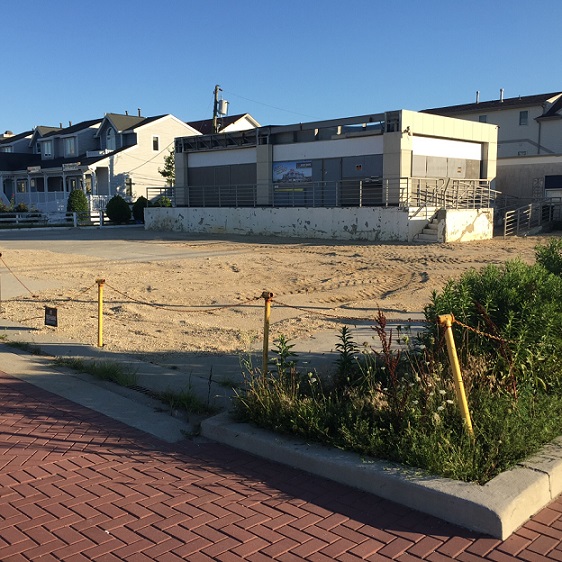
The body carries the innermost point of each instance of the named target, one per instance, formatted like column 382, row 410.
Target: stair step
column 427, row 237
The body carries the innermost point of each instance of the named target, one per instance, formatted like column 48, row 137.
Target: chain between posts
column 479, row 332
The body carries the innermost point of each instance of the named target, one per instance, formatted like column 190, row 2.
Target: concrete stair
column 429, row 233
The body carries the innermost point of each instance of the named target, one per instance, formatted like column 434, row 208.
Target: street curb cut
column 497, row 508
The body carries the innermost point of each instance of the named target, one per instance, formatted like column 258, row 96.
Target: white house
column 529, row 141
column 118, row 154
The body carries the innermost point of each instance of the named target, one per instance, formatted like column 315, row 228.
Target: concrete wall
column 524, row 177
column 465, row 225
column 375, row 224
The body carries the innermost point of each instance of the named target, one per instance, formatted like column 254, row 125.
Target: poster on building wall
column 292, row 172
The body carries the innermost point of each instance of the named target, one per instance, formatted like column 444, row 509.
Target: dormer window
column 110, row 139
column 70, row 146
column 48, row 149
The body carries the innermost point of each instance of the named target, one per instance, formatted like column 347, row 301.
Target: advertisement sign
column 51, row 318
column 292, row 172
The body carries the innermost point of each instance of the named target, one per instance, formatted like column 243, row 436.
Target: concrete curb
column 497, row 508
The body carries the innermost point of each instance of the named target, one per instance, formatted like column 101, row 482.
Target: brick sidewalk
column 76, row 485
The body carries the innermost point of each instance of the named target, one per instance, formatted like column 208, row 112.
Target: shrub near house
column 118, row 210
column 78, row 203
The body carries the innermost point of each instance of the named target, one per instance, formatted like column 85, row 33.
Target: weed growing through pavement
column 103, row 370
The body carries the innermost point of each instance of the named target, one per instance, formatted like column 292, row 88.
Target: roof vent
column 477, row 96
column 501, row 94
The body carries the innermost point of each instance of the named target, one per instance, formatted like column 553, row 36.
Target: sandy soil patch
column 162, row 307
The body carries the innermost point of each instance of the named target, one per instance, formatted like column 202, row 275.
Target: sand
column 211, row 301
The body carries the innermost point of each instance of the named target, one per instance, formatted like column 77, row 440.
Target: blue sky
column 282, row 61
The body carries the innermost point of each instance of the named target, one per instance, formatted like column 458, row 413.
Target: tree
column 169, row 170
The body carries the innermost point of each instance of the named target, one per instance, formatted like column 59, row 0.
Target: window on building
column 553, row 182
column 155, row 144
column 483, row 118
column 70, row 146
column 47, row 149
column 110, row 139
column 523, row 118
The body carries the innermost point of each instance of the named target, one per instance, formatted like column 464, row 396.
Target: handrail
column 533, row 215
column 403, row 192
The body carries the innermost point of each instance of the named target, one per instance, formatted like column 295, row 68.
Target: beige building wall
column 424, row 124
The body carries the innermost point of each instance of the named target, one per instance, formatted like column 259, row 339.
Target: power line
column 272, row 106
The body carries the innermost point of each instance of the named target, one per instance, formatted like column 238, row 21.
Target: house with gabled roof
column 9, row 142
column 529, row 166
column 117, row 154
column 226, row 124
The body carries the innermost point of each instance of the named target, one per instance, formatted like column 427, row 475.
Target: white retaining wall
column 375, row 224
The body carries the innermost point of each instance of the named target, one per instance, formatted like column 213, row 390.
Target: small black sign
column 51, row 317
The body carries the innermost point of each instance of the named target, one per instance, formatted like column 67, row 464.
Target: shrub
column 550, row 256
column 162, row 201
column 399, row 404
column 78, row 203
column 21, row 208
column 138, row 208
column 118, row 210
column 519, row 303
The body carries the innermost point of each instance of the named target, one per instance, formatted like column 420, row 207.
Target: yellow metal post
column 100, row 283
column 268, row 297
column 446, row 320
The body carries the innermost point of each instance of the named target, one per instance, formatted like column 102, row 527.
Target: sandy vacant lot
column 162, row 305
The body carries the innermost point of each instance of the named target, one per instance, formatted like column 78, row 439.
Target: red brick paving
column 78, row 486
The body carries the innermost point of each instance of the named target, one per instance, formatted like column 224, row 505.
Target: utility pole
column 216, row 109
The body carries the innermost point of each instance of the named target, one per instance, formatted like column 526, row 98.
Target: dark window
column 553, row 182
column 523, row 118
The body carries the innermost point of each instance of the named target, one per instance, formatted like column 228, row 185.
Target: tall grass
column 395, row 399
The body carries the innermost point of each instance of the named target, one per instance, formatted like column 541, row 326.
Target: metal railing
column 348, row 193
column 448, row 193
column 155, row 193
column 534, row 215
column 369, row 192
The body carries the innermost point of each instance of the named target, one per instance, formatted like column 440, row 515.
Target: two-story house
column 117, row 154
column 529, row 141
